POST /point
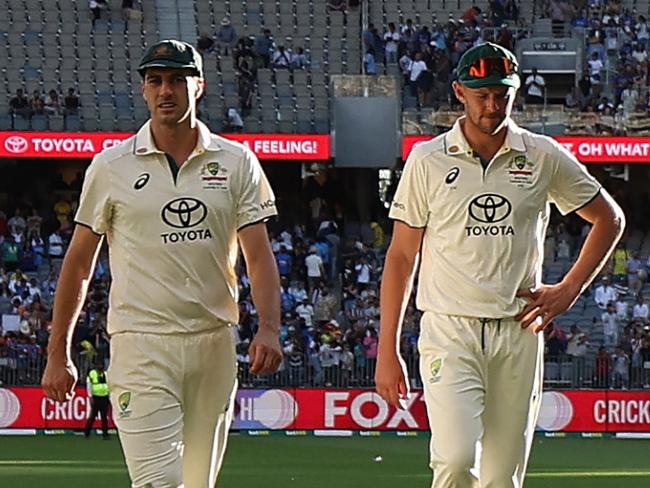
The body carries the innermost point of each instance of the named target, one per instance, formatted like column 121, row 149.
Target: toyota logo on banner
column 184, row 212
column 16, row 144
column 490, row 208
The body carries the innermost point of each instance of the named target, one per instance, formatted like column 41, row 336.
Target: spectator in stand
column 52, row 103
column 577, row 342
column 369, row 63
column 315, row 269
column 226, row 37
column 37, row 103
column 391, row 42
column 425, row 86
column 325, row 307
column 555, row 340
column 245, row 84
column 284, row 262
column 263, row 47
column 620, row 369
column 17, row 226
column 535, row 88
column 629, row 99
column 243, row 51
column 306, row 311
column 505, row 38
column 19, row 105
column 622, row 309
column 205, row 44
column 620, row 258
column 363, row 271
column 636, row 275
column 584, row 90
column 417, row 67
column 281, row 58
column 603, row 368
column 640, row 309
column 95, row 7
column 71, row 103
column 300, row 60
column 610, row 325
column 595, row 67
column 10, row 253
column 55, row 247
column 233, row 121
column 405, row 62
column 604, row 293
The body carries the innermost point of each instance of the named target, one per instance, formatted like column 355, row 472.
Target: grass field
column 311, row 462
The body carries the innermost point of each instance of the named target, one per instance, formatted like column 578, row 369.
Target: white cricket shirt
column 173, row 242
column 484, row 229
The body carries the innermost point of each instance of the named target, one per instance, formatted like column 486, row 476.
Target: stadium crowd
column 330, row 306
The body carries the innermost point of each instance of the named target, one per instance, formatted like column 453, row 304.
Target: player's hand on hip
column 59, row 380
column 545, row 303
column 391, row 379
column 265, row 352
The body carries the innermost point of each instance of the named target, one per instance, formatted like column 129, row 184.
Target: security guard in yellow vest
column 99, row 401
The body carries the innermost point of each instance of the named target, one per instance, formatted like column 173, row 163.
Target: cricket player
column 174, row 201
column 473, row 204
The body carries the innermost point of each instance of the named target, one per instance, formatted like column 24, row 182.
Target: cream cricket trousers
column 173, row 403
column 482, row 383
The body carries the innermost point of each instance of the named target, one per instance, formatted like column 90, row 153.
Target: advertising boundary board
column 587, row 149
column 320, row 410
column 84, row 145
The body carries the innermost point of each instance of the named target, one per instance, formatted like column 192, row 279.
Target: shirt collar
column 456, row 144
column 144, row 144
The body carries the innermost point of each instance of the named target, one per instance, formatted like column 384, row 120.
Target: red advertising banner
column 286, row 146
column 586, row 149
column 28, row 408
column 347, row 409
column 84, row 145
column 70, row 145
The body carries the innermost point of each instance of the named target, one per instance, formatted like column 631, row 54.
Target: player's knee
column 455, row 464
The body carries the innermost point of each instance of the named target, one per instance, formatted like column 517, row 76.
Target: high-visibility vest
column 98, row 386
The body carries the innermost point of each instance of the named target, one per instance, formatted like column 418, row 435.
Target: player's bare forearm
column 608, row 224
column 263, row 275
column 549, row 301
column 265, row 351
column 76, row 274
column 396, row 286
column 396, row 282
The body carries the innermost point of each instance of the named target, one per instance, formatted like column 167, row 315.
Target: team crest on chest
column 214, row 176
column 520, row 171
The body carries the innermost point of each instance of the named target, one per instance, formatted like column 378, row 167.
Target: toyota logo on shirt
column 490, row 208
column 16, row 144
column 184, row 212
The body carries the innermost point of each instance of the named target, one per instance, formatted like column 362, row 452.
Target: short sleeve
column 571, row 187
column 94, row 205
column 255, row 201
column 410, row 204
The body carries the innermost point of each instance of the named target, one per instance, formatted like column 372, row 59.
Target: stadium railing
column 560, row 371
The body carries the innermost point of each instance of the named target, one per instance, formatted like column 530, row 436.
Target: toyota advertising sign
column 586, row 149
column 349, row 409
column 84, row 145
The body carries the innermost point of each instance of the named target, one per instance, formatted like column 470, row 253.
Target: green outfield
column 317, row 462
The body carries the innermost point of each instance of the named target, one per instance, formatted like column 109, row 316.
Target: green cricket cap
column 172, row 54
column 488, row 64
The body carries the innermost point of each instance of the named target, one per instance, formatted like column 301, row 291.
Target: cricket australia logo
column 489, row 209
column 123, row 402
column 436, row 366
column 214, row 176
